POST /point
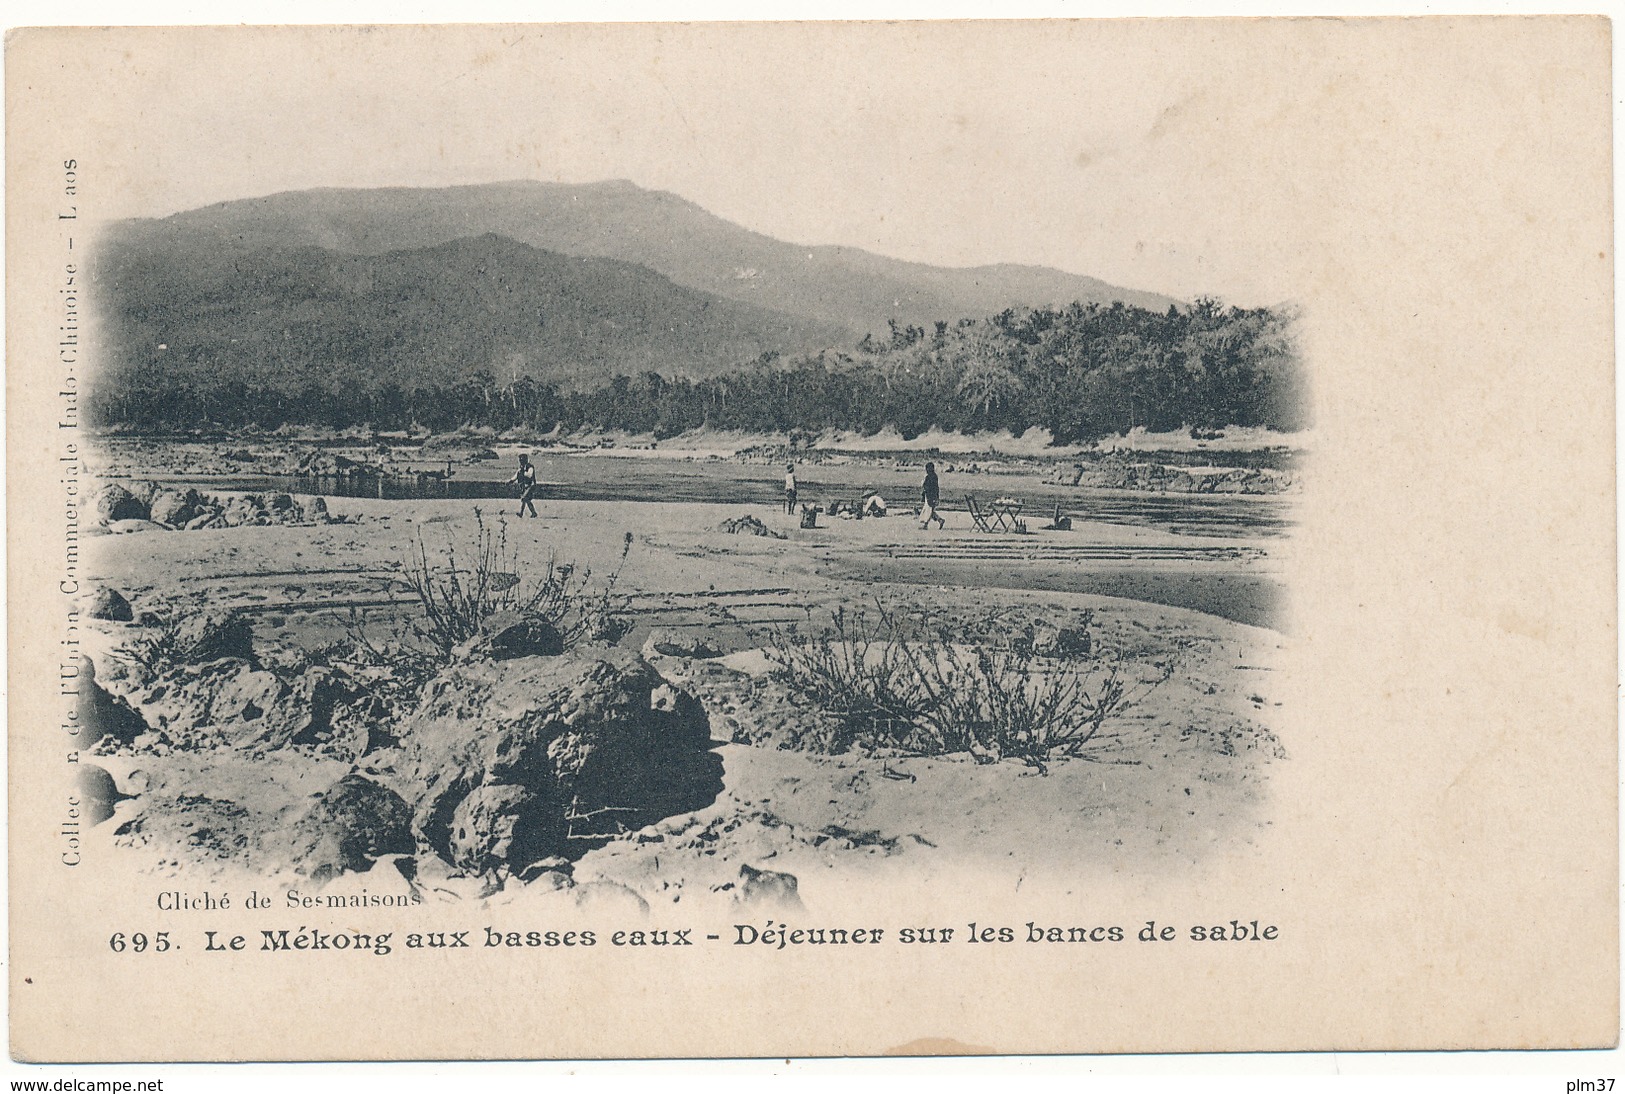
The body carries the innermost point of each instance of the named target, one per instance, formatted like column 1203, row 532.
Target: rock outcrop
column 1118, row 474
column 146, row 506
column 349, row 826
column 232, row 701
column 507, row 759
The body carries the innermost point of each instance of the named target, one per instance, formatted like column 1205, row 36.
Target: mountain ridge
column 846, row 286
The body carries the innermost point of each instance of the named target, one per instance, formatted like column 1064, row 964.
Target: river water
column 620, row 478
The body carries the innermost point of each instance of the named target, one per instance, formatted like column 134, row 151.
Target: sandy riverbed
column 1188, row 778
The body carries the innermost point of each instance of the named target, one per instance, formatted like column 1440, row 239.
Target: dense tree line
column 1083, row 371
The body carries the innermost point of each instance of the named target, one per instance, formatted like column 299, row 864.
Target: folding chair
column 976, row 517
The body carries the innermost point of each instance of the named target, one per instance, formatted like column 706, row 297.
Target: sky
column 1243, row 159
column 1116, row 150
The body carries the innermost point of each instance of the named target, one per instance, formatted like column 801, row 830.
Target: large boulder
column 305, row 712
column 349, row 826
column 174, row 508
column 114, row 503
column 244, row 509
column 508, row 758
column 144, row 491
column 503, row 823
column 99, row 795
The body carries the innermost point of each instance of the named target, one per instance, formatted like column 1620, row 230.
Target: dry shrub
column 478, row 579
column 917, row 690
column 487, row 576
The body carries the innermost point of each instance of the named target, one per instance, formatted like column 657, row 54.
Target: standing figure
column 525, row 479
column 930, row 496
column 790, row 489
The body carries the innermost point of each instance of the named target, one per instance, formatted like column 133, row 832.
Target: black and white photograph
column 524, row 537
column 812, row 499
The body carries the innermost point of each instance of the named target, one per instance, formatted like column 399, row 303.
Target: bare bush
column 393, row 668
column 477, row 580
column 916, row 689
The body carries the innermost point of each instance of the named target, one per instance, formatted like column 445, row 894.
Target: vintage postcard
column 625, row 540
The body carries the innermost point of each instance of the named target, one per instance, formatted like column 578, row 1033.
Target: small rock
column 678, row 643
column 392, row 877
column 749, row 526
column 548, row 881
column 771, row 889
column 109, row 604
column 103, row 714
column 608, row 898
column 98, row 793
column 1050, row 641
column 506, row 635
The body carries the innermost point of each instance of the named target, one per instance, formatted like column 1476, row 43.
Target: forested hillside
column 212, row 321
column 1082, row 372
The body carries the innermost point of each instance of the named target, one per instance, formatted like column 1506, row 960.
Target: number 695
column 139, row 942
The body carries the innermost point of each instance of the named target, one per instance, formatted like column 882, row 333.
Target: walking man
column 790, row 489
column 930, row 495
column 525, row 479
